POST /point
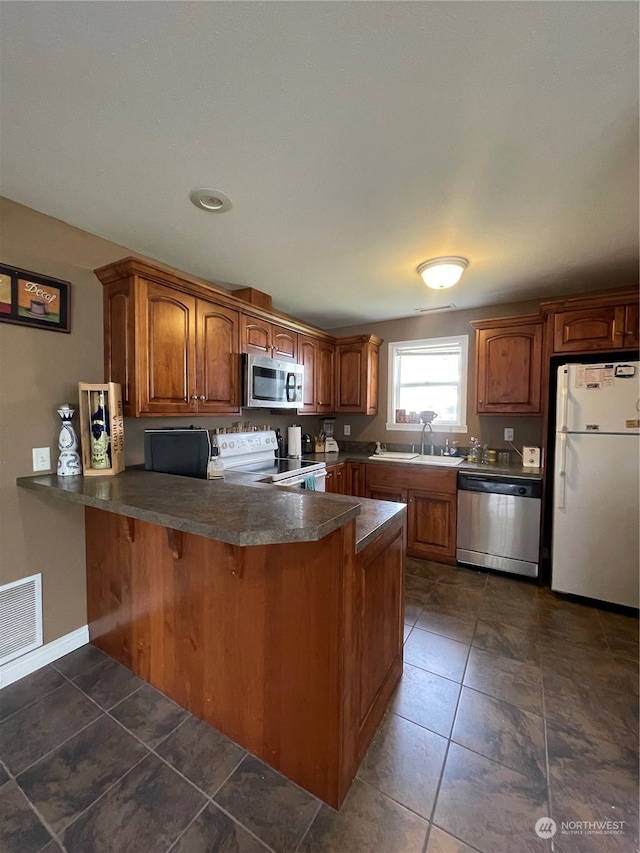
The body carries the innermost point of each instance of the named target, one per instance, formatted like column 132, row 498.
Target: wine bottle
column 100, row 438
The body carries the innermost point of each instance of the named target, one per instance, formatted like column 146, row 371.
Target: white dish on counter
column 416, row 459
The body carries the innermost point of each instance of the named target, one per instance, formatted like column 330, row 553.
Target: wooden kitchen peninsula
column 274, row 615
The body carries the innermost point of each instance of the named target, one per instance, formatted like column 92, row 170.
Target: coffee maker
column 330, row 444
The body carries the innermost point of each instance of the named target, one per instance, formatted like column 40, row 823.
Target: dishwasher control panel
column 500, row 485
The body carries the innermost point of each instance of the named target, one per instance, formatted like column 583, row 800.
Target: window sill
column 418, row 428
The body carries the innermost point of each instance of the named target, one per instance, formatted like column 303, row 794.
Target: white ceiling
column 355, row 140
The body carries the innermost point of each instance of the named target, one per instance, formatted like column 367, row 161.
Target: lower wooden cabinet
column 431, row 525
column 354, row 474
column 335, row 481
column 431, row 498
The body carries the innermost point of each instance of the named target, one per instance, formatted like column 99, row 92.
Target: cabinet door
column 217, row 359
column 350, row 378
column 324, row 378
column 119, row 338
column 354, row 474
column 431, row 525
column 509, row 369
column 357, row 374
column 256, row 335
column 631, row 326
column 335, row 479
column 588, row 329
column 284, row 344
column 382, row 604
column 330, row 479
column 167, row 350
column 307, row 350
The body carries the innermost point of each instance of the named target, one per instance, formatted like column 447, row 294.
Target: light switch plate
column 41, row 458
column 346, row 429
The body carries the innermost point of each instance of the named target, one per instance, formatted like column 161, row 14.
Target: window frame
column 392, row 353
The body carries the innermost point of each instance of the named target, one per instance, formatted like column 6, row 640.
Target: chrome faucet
column 424, row 426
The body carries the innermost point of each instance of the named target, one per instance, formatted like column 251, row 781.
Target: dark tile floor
column 514, row 705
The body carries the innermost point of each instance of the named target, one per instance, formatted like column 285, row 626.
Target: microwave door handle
column 290, row 388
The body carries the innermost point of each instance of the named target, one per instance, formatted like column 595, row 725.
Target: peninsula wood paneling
column 265, row 643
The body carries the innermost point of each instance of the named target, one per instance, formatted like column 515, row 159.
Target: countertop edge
column 312, row 533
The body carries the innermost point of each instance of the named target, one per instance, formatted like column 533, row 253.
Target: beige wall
column 39, row 370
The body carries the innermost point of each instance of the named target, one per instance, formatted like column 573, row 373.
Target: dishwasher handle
column 517, row 486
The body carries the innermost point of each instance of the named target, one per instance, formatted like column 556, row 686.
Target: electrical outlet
column 508, row 434
column 346, row 429
column 41, row 458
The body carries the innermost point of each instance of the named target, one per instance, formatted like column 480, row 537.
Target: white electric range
column 258, row 452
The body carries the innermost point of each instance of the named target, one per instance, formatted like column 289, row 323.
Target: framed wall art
column 28, row 298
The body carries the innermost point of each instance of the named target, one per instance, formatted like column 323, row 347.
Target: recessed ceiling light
column 442, row 272
column 213, row 201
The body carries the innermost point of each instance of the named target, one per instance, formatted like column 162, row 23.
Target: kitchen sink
column 416, row 459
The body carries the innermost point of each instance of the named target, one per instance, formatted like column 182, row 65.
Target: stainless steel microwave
column 272, row 384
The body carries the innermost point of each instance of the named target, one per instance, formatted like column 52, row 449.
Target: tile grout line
column 453, row 721
column 187, row 827
column 311, row 822
column 45, row 823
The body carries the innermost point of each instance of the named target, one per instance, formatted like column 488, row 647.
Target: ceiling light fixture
column 442, row 272
column 211, row 200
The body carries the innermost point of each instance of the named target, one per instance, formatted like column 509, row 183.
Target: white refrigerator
column 596, row 513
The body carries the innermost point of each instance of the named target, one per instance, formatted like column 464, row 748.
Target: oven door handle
column 297, row 481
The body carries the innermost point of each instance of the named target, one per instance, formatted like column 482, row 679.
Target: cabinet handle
column 202, row 397
column 194, row 396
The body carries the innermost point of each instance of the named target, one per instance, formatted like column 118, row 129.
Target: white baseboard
column 26, row 664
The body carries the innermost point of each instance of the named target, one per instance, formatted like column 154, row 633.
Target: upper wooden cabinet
column 509, row 365
column 171, row 352
column 606, row 322
column 261, row 337
column 357, row 374
column 317, row 356
column 174, row 345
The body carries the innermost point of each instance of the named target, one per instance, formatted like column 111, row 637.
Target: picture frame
column 30, row 299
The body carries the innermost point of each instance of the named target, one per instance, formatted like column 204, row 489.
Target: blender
column 330, row 444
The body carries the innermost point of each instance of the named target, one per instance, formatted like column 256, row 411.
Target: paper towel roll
column 294, row 442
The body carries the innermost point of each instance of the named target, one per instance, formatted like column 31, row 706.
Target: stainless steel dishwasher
column 499, row 522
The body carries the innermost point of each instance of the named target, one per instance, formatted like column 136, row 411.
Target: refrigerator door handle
column 561, row 468
column 563, row 399
column 562, row 406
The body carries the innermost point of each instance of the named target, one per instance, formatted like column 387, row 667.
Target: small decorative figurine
column 69, row 459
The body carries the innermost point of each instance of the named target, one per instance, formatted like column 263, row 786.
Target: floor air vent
column 20, row 617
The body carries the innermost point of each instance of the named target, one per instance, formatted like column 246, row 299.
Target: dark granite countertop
column 238, row 510
column 512, row 470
